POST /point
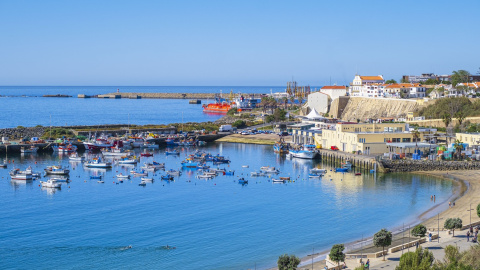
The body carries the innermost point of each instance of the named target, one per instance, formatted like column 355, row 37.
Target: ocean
column 25, row 106
column 213, row 224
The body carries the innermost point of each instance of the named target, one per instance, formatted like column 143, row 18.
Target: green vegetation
column 239, row 124
column 452, row 106
column 418, row 260
column 38, row 126
column 57, row 133
column 20, row 127
column 336, row 253
column 452, row 224
column 232, row 111
column 390, row 81
column 190, row 126
column 288, row 262
column 382, row 238
column 459, row 76
column 431, row 82
column 419, row 231
column 478, row 210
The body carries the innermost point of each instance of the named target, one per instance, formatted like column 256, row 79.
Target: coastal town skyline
column 236, row 43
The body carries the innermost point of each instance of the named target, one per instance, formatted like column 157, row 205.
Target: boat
column 171, row 142
column 50, row 183
column 220, row 106
column 229, row 173
column 16, row 174
column 174, row 152
column 64, row 148
column 31, row 149
column 97, row 144
column 97, row 163
column 205, row 176
column 142, row 173
column 257, row 174
column 242, row 181
column 146, row 154
column 318, row 171
column 201, row 143
column 142, row 184
column 278, row 180
column 305, row 152
column 56, row 170
column 76, row 157
column 149, row 145
column 281, row 147
column 121, row 176
column 189, row 163
column 115, row 151
column 174, row 172
column 345, row 167
column 147, row 179
column 358, row 173
column 244, row 166
column 314, row 175
column 4, row 164
column 267, row 169
column 127, row 160
column 95, row 177
column 285, row 178
column 100, row 181
column 61, row 179
column 167, row 177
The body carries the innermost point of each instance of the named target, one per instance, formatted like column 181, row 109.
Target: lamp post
column 438, row 232
column 470, row 210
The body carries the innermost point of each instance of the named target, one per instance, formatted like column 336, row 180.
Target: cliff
column 363, row 108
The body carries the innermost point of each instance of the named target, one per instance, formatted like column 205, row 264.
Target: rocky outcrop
column 22, row 132
column 428, row 165
column 364, row 108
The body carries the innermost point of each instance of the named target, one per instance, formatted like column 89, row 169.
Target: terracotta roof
column 335, row 87
column 371, row 78
column 403, row 85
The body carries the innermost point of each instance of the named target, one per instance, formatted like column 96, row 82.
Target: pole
column 470, row 210
column 403, row 236
column 408, row 238
column 313, row 252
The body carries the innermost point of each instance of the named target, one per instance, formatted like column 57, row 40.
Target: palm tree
column 264, row 103
column 447, row 119
column 285, row 101
column 416, row 135
column 458, row 148
column 460, row 117
column 292, row 100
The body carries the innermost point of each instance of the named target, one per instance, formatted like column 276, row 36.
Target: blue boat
column 230, row 173
column 242, row 181
column 167, row 177
column 189, row 164
column 95, row 177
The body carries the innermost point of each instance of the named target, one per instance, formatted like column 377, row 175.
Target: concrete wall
column 319, row 101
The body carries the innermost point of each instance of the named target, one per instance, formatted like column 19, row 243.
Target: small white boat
column 205, row 176
column 115, row 151
column 76, row 157
column 50, row 183
column 60, row 179
column 267, row 169
column 311, row 175
column 16, row 174
column 97, row 163
column 4, row 164
column 31, row 149
column 149, row 145
column 147, row 179
column 278, row 180
column 257, row 173
column 128, row 160
column 245, row 166
column 143, row 183
column 121, row 176
column 56, row 170
column 100, row 181
column 174, row 172
column 318, row 171
column 137, row 174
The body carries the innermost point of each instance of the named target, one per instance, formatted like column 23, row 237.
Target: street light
column 470, row 214
column 438, row 232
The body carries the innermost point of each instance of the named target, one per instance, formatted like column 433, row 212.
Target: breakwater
column 22, row 132
column 428, row 165
column 133, row 95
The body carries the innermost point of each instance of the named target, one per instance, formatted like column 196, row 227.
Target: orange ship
column 216, row 107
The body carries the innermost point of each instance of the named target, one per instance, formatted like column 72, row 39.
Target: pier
column 195, row 96
column 358, row 161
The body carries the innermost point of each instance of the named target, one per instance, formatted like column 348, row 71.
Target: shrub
column 419, row 230
column 288, row 262
column 452, row 224
column 239, row 124
column 418, row 260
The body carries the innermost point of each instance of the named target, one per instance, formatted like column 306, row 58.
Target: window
column 406, row 140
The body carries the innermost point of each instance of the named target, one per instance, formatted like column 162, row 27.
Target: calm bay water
column 215, row 224
column 24, row 106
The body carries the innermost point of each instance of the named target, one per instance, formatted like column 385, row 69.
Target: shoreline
column 462, row 194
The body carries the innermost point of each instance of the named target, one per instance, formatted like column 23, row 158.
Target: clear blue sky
column 232, row 42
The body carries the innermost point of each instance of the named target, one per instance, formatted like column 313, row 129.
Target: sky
column 229, row 42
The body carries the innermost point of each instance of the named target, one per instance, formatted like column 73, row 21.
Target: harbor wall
column 428, row 165
column 358, row 161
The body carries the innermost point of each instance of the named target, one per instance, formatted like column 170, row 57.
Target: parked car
column 334, row 148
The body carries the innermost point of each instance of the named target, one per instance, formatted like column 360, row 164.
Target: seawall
column 428, row 165
column 363, row 108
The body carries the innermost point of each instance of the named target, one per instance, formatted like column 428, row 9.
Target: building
column 424, row 77
column 472, row 139
column 368, row 139
column 319, row 101
column 359, row 82
column 334, row 91
column 405, row 90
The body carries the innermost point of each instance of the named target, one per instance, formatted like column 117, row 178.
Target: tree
column 458, row 145
column 382, row 238
column 446, row 118
column 279, row 115
column 416, row 135
column 390, row 81
column 336, row 253
column 460, row 115
column 232, row 111
column 288, row 262
column 418, row 260
column 459, row 76
column 431, row 81
column 452, row 224
column 239, row 124
column 285, row 102
column 419, row 231
column 478, row 210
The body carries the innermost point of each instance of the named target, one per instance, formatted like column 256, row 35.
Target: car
column 245, row 133
column 334, row 148
column 283, row 133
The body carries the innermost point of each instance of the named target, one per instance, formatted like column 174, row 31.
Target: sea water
column 214, row 224
column 25, row 106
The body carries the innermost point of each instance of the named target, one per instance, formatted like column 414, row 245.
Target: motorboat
column 242, row 181
column 305, row 152
column 97, row 144
column 139, row 174
column 201, row 143
column 146, row 154
column 257, row 173
column 231, row 173
column 147, row 179
column 143, row 183
column 31, row 149
column 205, row 176
column 50, row 183
column 115, row 152
column 149, row 145
column 156, row 165
column 318, row 171
column 174, row 152
column 189, row 164
column 127, row 160
column 285, row 178
column 76, row 157
column 16, row 174
column 95, row 177
column 121, row 176
column 267, row 169
column 167, row 177
column 56, row 170
column 61, row 179
column 278, row 180
column 244, row 166
column 64, row 148
column 174, row 172
column 97, row 163
column 100, row 181
column 314, row 175
column 345, row 167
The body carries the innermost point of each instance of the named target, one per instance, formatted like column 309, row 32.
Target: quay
column 364, row 162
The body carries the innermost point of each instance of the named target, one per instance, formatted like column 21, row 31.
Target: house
column 334, row 91
column 357, row 89
column 405, row 90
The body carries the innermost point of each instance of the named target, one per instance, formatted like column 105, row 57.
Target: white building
column 334, row 91
column 360, row 85
column 319, row 101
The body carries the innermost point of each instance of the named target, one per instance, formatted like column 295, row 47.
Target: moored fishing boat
column 56, row 170
column 305, row 152
column 123, row 176
column 205, row 176
column 127, row 160
column 97, row 163
column 268, row 169
column 50, row 183
column 174, row 172
column 149, row 145
column 64, row 148
column 31, row 149
column 16, row 174
column 174, row 152
column 242, row 181
column 115, row 151
column 76, row 157
column 167, row 177
column 278, row 180
column 257, row 173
